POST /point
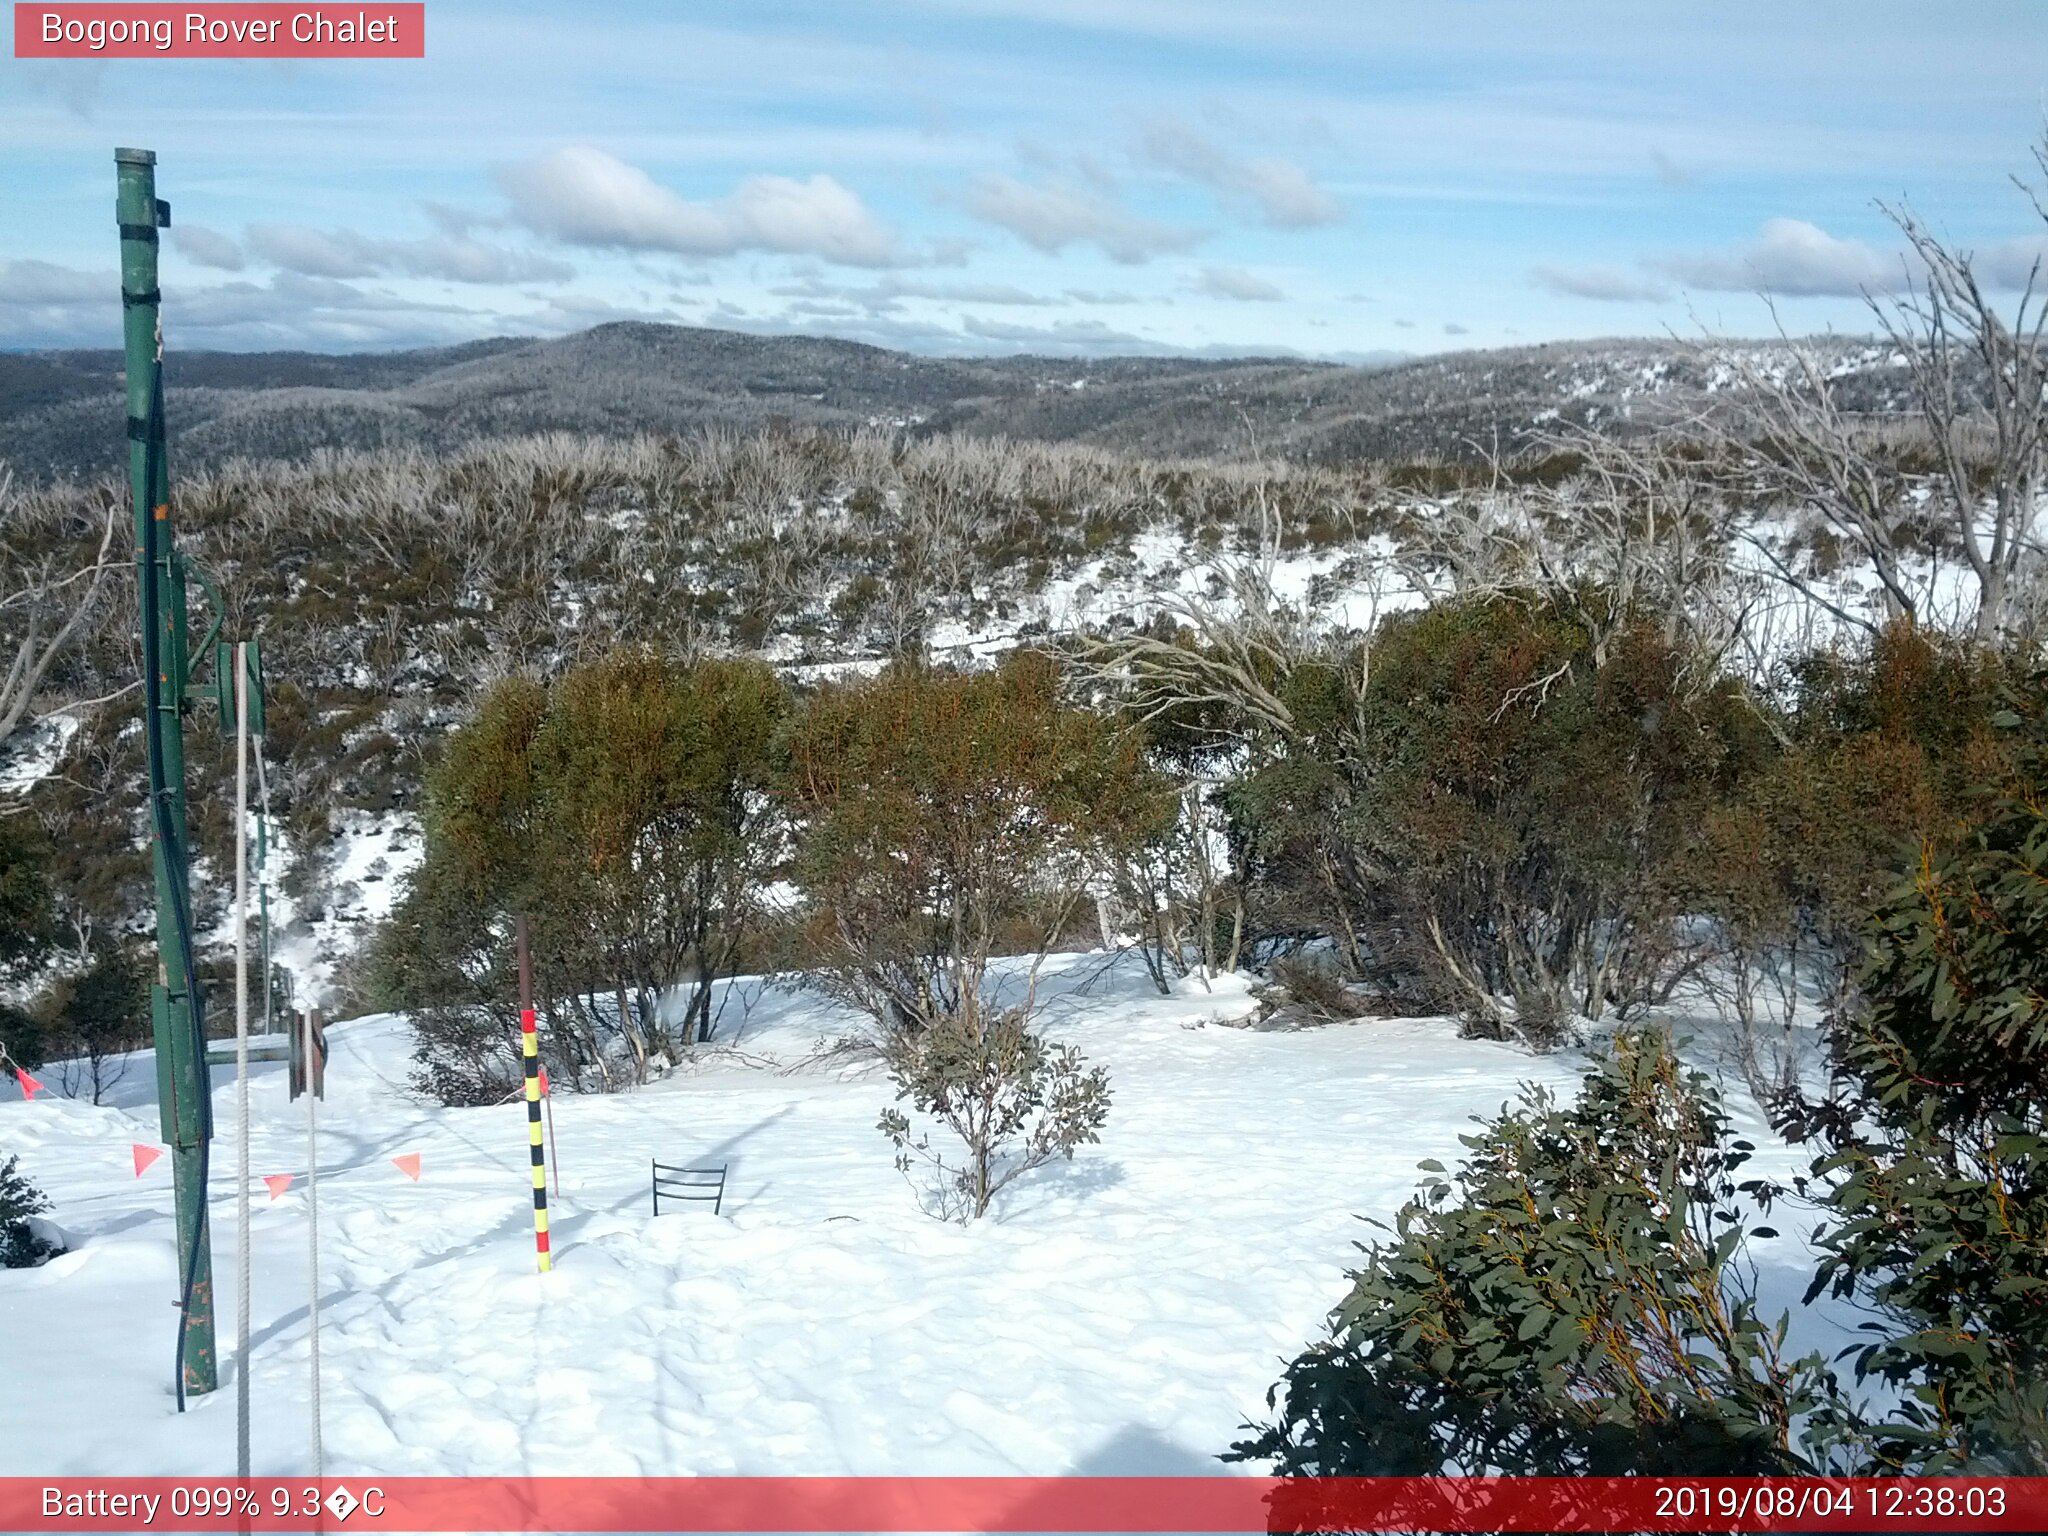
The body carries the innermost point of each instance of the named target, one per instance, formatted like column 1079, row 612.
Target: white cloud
column 26, row 284
column 309, row 252
column 49, row 306
column 451, row 220
column 1278, row 191
column 1049, row 216
column 584, row 196
column 2014, row 264
column 1604, row 283
column 1065, row 338
column 969, row 293
column 1791, row 257
column 1794, row 258
column 887, row 294
column 207, row 248
column 1235, row 283
column 343, row 253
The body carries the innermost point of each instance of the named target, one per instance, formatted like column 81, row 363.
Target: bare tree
column 1977, row 379
column 1635, row 529
column 44, row 613
column 96, row 1066
column 1230, row 650
column 1800, row 447
column 1175, row 889
column 1222, row 662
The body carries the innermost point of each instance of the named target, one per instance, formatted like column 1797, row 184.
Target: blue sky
column 1074, row 176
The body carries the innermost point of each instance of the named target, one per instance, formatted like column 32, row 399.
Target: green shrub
column 628, row 809
column 1936, row 1159
column 1881, row 746
column 951, row 817
column 1014, row 1100
column 21, row 1248
column 1509, row 808
column 24, row 897
column 1568, row 1302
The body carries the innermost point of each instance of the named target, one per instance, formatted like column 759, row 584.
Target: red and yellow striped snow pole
column 529, row 1045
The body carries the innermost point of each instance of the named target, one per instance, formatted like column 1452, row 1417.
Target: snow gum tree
column 628, row 808
column 1975, row 444
column 949, row 819
column 1500, row 808
column 24, row 898
column 25, row 923
column 1573, row 1298
column 659, row 781
column 97, row 1017
column 1882, row 745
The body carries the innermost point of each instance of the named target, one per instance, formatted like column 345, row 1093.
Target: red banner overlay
column 1021, row 1504
column 369, row 29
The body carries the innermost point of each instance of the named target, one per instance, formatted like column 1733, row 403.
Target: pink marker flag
column 543, row 1080
column 29, row 1086
column 277, row 1183
column 409, row 1165
column 144, row 1156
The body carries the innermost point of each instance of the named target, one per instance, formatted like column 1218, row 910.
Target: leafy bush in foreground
column 1938, row 1152
column 1568, row 1302
column 20, row 1248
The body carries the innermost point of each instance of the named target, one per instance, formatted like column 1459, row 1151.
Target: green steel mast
column 183, row 1084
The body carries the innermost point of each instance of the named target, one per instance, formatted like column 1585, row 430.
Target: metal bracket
column 205, row 648
column 224, row 686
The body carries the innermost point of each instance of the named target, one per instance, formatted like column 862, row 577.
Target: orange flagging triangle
column 409, row 1165
column 144, row 1156
column 277, row 1183
column 29, row 1086
column 543, row 1080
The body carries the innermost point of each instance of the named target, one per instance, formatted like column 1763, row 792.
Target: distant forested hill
column 61, row 412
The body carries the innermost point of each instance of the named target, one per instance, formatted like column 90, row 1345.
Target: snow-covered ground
column 367, row 863
column 1124, row 1313
column 38, row 752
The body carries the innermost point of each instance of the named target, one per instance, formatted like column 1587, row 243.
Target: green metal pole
column 183, row 1083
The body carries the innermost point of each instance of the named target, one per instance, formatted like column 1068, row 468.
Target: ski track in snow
column 1124, row 1313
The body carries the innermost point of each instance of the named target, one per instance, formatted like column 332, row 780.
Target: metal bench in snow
column 689, row 1184
column 221, row 1053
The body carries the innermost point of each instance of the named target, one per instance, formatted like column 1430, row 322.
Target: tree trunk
column 627, row 1026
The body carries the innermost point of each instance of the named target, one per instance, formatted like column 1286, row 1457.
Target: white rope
column 241, row 663
column 262, row 878
column 313, row 1232
column 305, row 1025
